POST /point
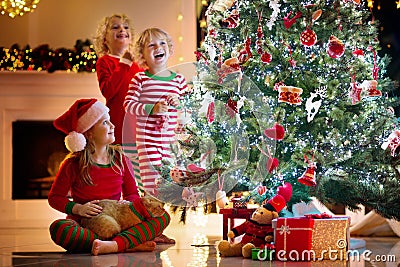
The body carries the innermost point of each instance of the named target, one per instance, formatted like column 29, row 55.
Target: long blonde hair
column 85, row 161
column 99, row 39
column 145, row 37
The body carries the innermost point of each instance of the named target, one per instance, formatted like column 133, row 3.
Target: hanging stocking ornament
column 335, row 48
column 370, row 86
column 221, row 199
column 308, row 178
column 355, row 91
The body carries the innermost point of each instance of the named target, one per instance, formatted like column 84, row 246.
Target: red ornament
column 286, row 191
column 308, row 178
column 193, row 168
column 308, row 37
column 231, row 108
column 335, row 47
column 288, row 22
column 272, row 164
column 276, row 132
column 211, row 112
column 261, row 189
column 266, row 58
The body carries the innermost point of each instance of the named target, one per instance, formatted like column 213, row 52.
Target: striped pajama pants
column 69, row 235
column 131, row 152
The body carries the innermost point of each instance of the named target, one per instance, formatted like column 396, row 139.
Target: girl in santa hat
column 95, row 170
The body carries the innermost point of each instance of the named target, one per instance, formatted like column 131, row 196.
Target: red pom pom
column 285, row 191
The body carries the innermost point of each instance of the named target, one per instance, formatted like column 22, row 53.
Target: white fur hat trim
column 75, row 141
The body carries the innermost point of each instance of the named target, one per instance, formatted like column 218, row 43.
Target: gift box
column 311, row 238
column 263, row 254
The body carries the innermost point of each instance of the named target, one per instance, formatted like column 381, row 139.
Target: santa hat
column 79, row 118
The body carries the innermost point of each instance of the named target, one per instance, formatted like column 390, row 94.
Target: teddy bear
column 257, row 231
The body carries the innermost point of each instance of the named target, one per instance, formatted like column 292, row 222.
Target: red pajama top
column 67, row 188
column 114, row 75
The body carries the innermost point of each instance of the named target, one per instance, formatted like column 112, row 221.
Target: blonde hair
column 85, row 161
column 99, row 39
column 145, row 38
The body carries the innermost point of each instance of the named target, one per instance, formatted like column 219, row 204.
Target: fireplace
column 38, row 149
column 30, row 147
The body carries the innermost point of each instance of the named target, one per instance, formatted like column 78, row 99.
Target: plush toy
column 257, row 231
column 116, row 217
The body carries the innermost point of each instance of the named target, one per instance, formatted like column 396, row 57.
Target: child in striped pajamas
column 95, row 170
column 153, row 96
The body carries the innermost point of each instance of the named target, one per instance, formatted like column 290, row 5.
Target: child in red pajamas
column 115, row 68
column 95, row 170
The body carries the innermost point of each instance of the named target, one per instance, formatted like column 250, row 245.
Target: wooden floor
column 195, row 246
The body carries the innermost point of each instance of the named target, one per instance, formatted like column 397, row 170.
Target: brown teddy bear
column 257, row 231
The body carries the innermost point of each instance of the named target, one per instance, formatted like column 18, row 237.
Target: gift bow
column 318, row 216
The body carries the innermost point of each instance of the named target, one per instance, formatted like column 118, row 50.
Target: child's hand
column 128, row 55
column 173, row 100
column 88, row 209
column 160, row 107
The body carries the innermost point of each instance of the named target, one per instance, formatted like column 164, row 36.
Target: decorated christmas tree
column 292, row 91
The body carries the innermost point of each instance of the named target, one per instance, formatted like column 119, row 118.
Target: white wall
column 59, row 23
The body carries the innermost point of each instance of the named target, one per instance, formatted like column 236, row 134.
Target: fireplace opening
column 37, row 151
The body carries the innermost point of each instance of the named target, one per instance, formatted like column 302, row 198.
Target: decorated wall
column 62, row 23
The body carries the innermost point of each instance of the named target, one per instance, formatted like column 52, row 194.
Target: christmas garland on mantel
column 82, row 58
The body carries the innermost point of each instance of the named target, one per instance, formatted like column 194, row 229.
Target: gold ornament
column 15, row 8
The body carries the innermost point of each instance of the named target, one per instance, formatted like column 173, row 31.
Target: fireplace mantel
column 26, row 95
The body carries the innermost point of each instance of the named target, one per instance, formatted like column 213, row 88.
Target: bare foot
column 164, row 239
column 147, row 246
column 104, row 247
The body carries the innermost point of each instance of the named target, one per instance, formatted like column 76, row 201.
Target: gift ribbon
column 285, row 230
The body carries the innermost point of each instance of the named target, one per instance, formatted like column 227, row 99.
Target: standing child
column 95, row 170
column 115, row 68
column 154, row 97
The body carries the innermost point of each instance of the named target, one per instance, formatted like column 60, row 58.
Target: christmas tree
column 294, row 91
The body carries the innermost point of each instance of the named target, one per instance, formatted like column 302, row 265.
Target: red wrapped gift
column 311, row 238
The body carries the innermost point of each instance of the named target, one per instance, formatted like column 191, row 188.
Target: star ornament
column 191, row 197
